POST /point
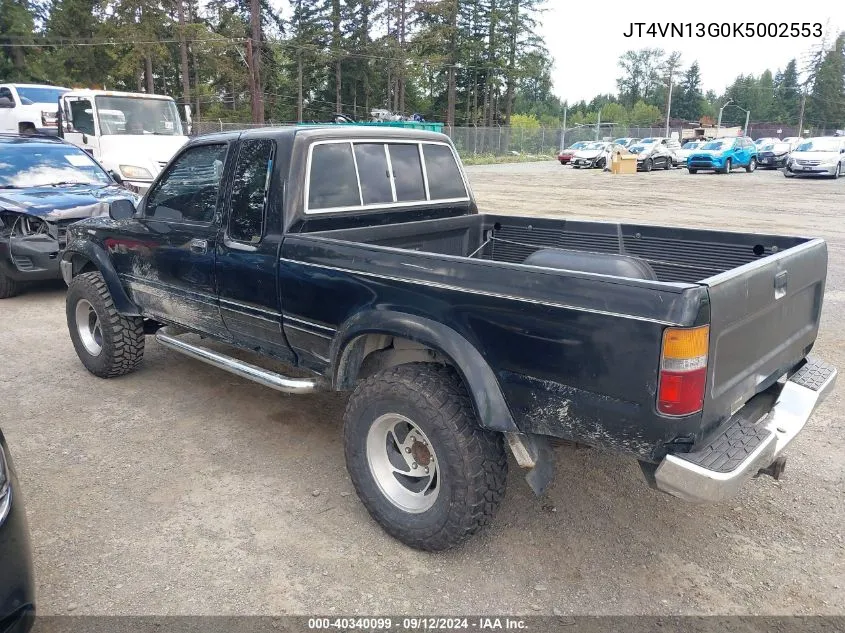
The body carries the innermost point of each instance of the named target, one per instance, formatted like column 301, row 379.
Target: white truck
column 29, row 108
column 133, row 135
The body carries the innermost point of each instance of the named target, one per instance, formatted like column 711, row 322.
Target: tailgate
column 764, row 319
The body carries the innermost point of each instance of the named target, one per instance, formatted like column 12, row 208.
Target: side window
column 5, row 93
column 82, row 115
column 332, row 179
column 372, row 167
column 189, row 189
column 407, row 172
column 249, row 190
column 444, row 177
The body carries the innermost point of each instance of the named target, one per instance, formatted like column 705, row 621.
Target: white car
column 686, row 149
column 29, row 108
column 820, row 156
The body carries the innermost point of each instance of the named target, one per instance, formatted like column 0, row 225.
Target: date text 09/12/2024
column 723, row 29
column 409, row 624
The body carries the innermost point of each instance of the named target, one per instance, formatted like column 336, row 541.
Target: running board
column 257, row 374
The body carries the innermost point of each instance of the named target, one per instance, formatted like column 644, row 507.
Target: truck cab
column 133, row 135
column 29, row 108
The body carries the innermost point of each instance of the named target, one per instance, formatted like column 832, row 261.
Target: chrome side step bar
column 240, row 368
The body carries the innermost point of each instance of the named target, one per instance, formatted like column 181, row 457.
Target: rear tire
column 108, row 343
column 9, row 287
column 420, row 414
column 692, row 171
column 668, row 164
column 838, row 171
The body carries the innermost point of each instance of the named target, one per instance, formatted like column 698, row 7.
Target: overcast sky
column 585, row 39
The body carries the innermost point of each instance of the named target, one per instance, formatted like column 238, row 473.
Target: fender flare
column 97, row 256
column 348, row 348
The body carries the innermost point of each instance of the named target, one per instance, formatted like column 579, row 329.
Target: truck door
column 8, row 122
column 169, row 263
column 247, row 257
column 80, row 124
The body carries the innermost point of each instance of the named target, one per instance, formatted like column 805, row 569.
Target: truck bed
column 570, row 339
column 677, row 255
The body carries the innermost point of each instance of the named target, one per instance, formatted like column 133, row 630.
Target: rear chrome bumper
column 719, row 470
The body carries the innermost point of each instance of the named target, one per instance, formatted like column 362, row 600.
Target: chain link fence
column 540, row 141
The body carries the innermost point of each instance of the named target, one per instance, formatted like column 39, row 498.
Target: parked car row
column 652, row 153
column 820, row 156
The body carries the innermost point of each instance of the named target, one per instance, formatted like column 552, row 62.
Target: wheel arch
column 88, row 258
column 422, row 340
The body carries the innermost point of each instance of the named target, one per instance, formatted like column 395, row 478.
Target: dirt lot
column 183, row 490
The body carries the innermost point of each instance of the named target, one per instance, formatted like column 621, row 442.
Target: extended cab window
column 333, row 181
column 407, row 172
column 444, row 177
column 249, row 190
column 188, row 192
column 375, row 178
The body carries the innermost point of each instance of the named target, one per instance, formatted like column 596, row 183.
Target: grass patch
column 492, row 159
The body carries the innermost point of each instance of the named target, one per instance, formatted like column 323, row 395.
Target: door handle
column 198, row 246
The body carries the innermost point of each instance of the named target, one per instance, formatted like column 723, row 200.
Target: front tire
column 420, row 463
column 648, row 164
column 8, row 286
column 838, row 171
column 692, row 171
column 108, row 343
column 752, row 165
column 728, row 166
column 667, row 165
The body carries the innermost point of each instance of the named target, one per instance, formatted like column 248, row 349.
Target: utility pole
column 719, row 123
column 563, row 131
column 801, row 116
column 669, row 105
column 598, row 124
column 747, row 117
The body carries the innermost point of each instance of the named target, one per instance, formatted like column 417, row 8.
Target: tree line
column 465, row 62
column 461, row 62
column 810, row 94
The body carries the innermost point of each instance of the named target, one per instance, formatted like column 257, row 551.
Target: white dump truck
column 133, row 135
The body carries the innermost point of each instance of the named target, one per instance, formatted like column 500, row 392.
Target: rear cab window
column 357, row 175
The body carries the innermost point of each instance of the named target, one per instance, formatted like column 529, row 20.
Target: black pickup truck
column 357, row 256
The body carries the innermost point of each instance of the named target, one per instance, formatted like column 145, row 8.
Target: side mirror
column 116, row 176
column 121, row 209
column 84, row 138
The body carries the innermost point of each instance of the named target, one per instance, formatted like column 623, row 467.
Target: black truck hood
column 65, row 202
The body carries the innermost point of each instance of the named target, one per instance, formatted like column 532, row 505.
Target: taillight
column 683, row 370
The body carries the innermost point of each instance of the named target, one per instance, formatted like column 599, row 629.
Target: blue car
column 724, row 154
column 45, row 185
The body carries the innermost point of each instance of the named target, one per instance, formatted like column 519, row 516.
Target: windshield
column 637, row 149
column 621, row 141
column 30, row 95
column 137, row 115
column 716, row 145
column 594, row 146
column 691, row 145
column 648, row 141
column 578, row 145
column 42, row 165
column 819, row 145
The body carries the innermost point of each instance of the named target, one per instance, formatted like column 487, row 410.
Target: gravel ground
column 183, row 490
